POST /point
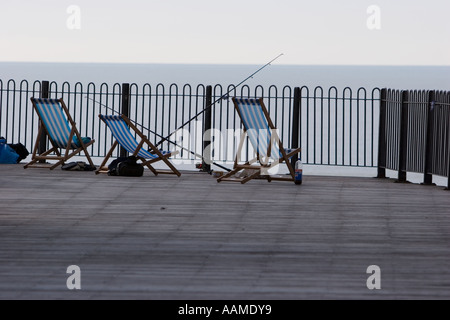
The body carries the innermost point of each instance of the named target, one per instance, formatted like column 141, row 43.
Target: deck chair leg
column 108, row 155
column 60, row 162
column 250, row 177
column 236, row 169
column 147, row 164
column 41, row 156
column 152, row 169
column 171, row 166
column 36, row 146
column 84, row 146
column 31, row 163
column 236, row 159
column 86, row 152
column 225, row 176
column 138, row 148
column 164, row 158
column 89, row 159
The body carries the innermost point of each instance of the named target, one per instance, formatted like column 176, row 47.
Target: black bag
column 126, row 166
column 21, row 150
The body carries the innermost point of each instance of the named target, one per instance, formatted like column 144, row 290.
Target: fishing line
column 224, row 96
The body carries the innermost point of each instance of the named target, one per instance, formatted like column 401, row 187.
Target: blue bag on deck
column 7, row 154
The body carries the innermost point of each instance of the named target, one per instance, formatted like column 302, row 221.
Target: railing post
column 125, row 110
column 296, row 123
column 403, row 149
column 448, row 178
column 382, row 136
column 44, row 94
column 448, row 158
column 428, row 177
column 207, row 124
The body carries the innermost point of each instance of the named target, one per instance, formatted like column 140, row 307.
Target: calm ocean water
column 369, row 77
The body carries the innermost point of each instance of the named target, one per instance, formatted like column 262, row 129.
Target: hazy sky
column 346, row 32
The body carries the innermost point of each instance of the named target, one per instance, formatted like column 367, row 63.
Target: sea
column 339, row 76
column 325, row 76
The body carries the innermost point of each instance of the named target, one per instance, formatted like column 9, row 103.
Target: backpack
column 7, row 154
column 21, row 150
column 126, row 166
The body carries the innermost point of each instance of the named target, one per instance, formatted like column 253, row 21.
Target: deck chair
column 264, row 139
column 64, row 137
column 121, row 129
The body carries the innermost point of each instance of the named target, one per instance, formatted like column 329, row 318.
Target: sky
column 321, row 32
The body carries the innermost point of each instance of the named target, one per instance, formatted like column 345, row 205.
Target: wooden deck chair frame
column 144, row 140
column 57, row 152
column 258, row 164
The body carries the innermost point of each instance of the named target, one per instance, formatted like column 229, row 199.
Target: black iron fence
column 333, row 127
column 405, row 131
column 414, row 133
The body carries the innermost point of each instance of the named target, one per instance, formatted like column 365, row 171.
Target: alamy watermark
column 374, row 19
column 374, row 281
column 73, row 21
column 223, row 144
column 74, row 280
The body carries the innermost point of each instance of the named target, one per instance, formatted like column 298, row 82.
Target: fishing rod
column 224, row 96
column 160, row 136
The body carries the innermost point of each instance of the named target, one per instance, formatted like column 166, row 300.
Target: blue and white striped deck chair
column 64, row 137
column 265, row 141
column 121, row 127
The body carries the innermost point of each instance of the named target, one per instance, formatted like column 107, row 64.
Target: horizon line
column 226, row 64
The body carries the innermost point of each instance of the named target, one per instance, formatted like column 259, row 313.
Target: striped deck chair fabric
column 263, row 137
column 55, row 120
column 122, row 130
column 258, row 129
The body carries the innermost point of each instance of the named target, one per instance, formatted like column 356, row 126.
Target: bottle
column 298, row 172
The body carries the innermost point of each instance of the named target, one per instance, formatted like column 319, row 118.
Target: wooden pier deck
column 191, row 238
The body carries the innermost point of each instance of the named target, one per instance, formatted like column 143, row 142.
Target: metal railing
column 415, row 133
column 404, row 131
column 337, row 128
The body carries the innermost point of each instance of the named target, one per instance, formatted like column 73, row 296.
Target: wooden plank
column 188, row 237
